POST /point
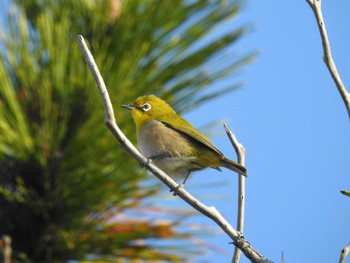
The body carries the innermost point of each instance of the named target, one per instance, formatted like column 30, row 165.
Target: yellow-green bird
column 172, row 143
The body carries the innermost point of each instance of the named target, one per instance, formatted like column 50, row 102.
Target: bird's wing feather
column 180, row 124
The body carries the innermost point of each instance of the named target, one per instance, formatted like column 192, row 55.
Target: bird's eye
column 146, row 107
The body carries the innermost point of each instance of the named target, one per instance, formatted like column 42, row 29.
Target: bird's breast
column 154, row 138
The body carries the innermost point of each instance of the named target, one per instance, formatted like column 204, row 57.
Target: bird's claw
column 176, row 190
column 149, row 160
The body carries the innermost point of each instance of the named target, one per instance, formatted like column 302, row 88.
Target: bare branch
column 7, row 249
column 211, row 212
column 240, row 151
column 327, row 55
column 345, row 251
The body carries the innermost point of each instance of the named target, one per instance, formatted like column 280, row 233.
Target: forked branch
column 237, row 239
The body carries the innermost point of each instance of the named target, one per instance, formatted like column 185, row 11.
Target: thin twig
column 7, row 251
column 327, row 55
column 344, row 252
column 240, row 151
column 210, row 212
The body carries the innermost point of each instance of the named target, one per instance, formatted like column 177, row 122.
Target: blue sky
column 295, row 128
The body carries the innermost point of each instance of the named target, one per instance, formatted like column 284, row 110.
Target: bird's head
column 148, row 108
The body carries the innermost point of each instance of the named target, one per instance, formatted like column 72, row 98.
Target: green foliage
column 61, row 171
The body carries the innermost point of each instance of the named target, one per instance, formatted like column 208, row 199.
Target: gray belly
column 177, row 167
column 168, row 149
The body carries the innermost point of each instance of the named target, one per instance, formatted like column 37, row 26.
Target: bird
column 172, row 143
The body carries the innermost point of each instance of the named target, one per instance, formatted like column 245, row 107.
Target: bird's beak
column 128, row 106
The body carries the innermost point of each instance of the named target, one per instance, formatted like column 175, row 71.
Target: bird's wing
column 181, row 125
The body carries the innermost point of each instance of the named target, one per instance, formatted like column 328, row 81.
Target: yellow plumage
column 172, row 143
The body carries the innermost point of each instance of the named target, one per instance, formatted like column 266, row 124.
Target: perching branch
column 345, row 251
column 327, row 55
column 240, row 151
column 211, row 212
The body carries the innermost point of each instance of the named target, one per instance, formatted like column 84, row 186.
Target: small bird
column 172, row 143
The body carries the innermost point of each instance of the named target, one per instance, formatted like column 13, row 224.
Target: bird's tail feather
column 236, row 167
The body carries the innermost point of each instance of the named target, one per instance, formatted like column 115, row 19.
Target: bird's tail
column 236, row 167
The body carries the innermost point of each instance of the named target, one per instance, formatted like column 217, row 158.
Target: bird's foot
column 176, row 190
column 149, row 160
column 153, row 157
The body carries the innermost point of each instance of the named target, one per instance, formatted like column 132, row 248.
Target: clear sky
column 295, row 128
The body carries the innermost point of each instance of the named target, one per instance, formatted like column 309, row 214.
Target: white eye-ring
column 146, row 107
